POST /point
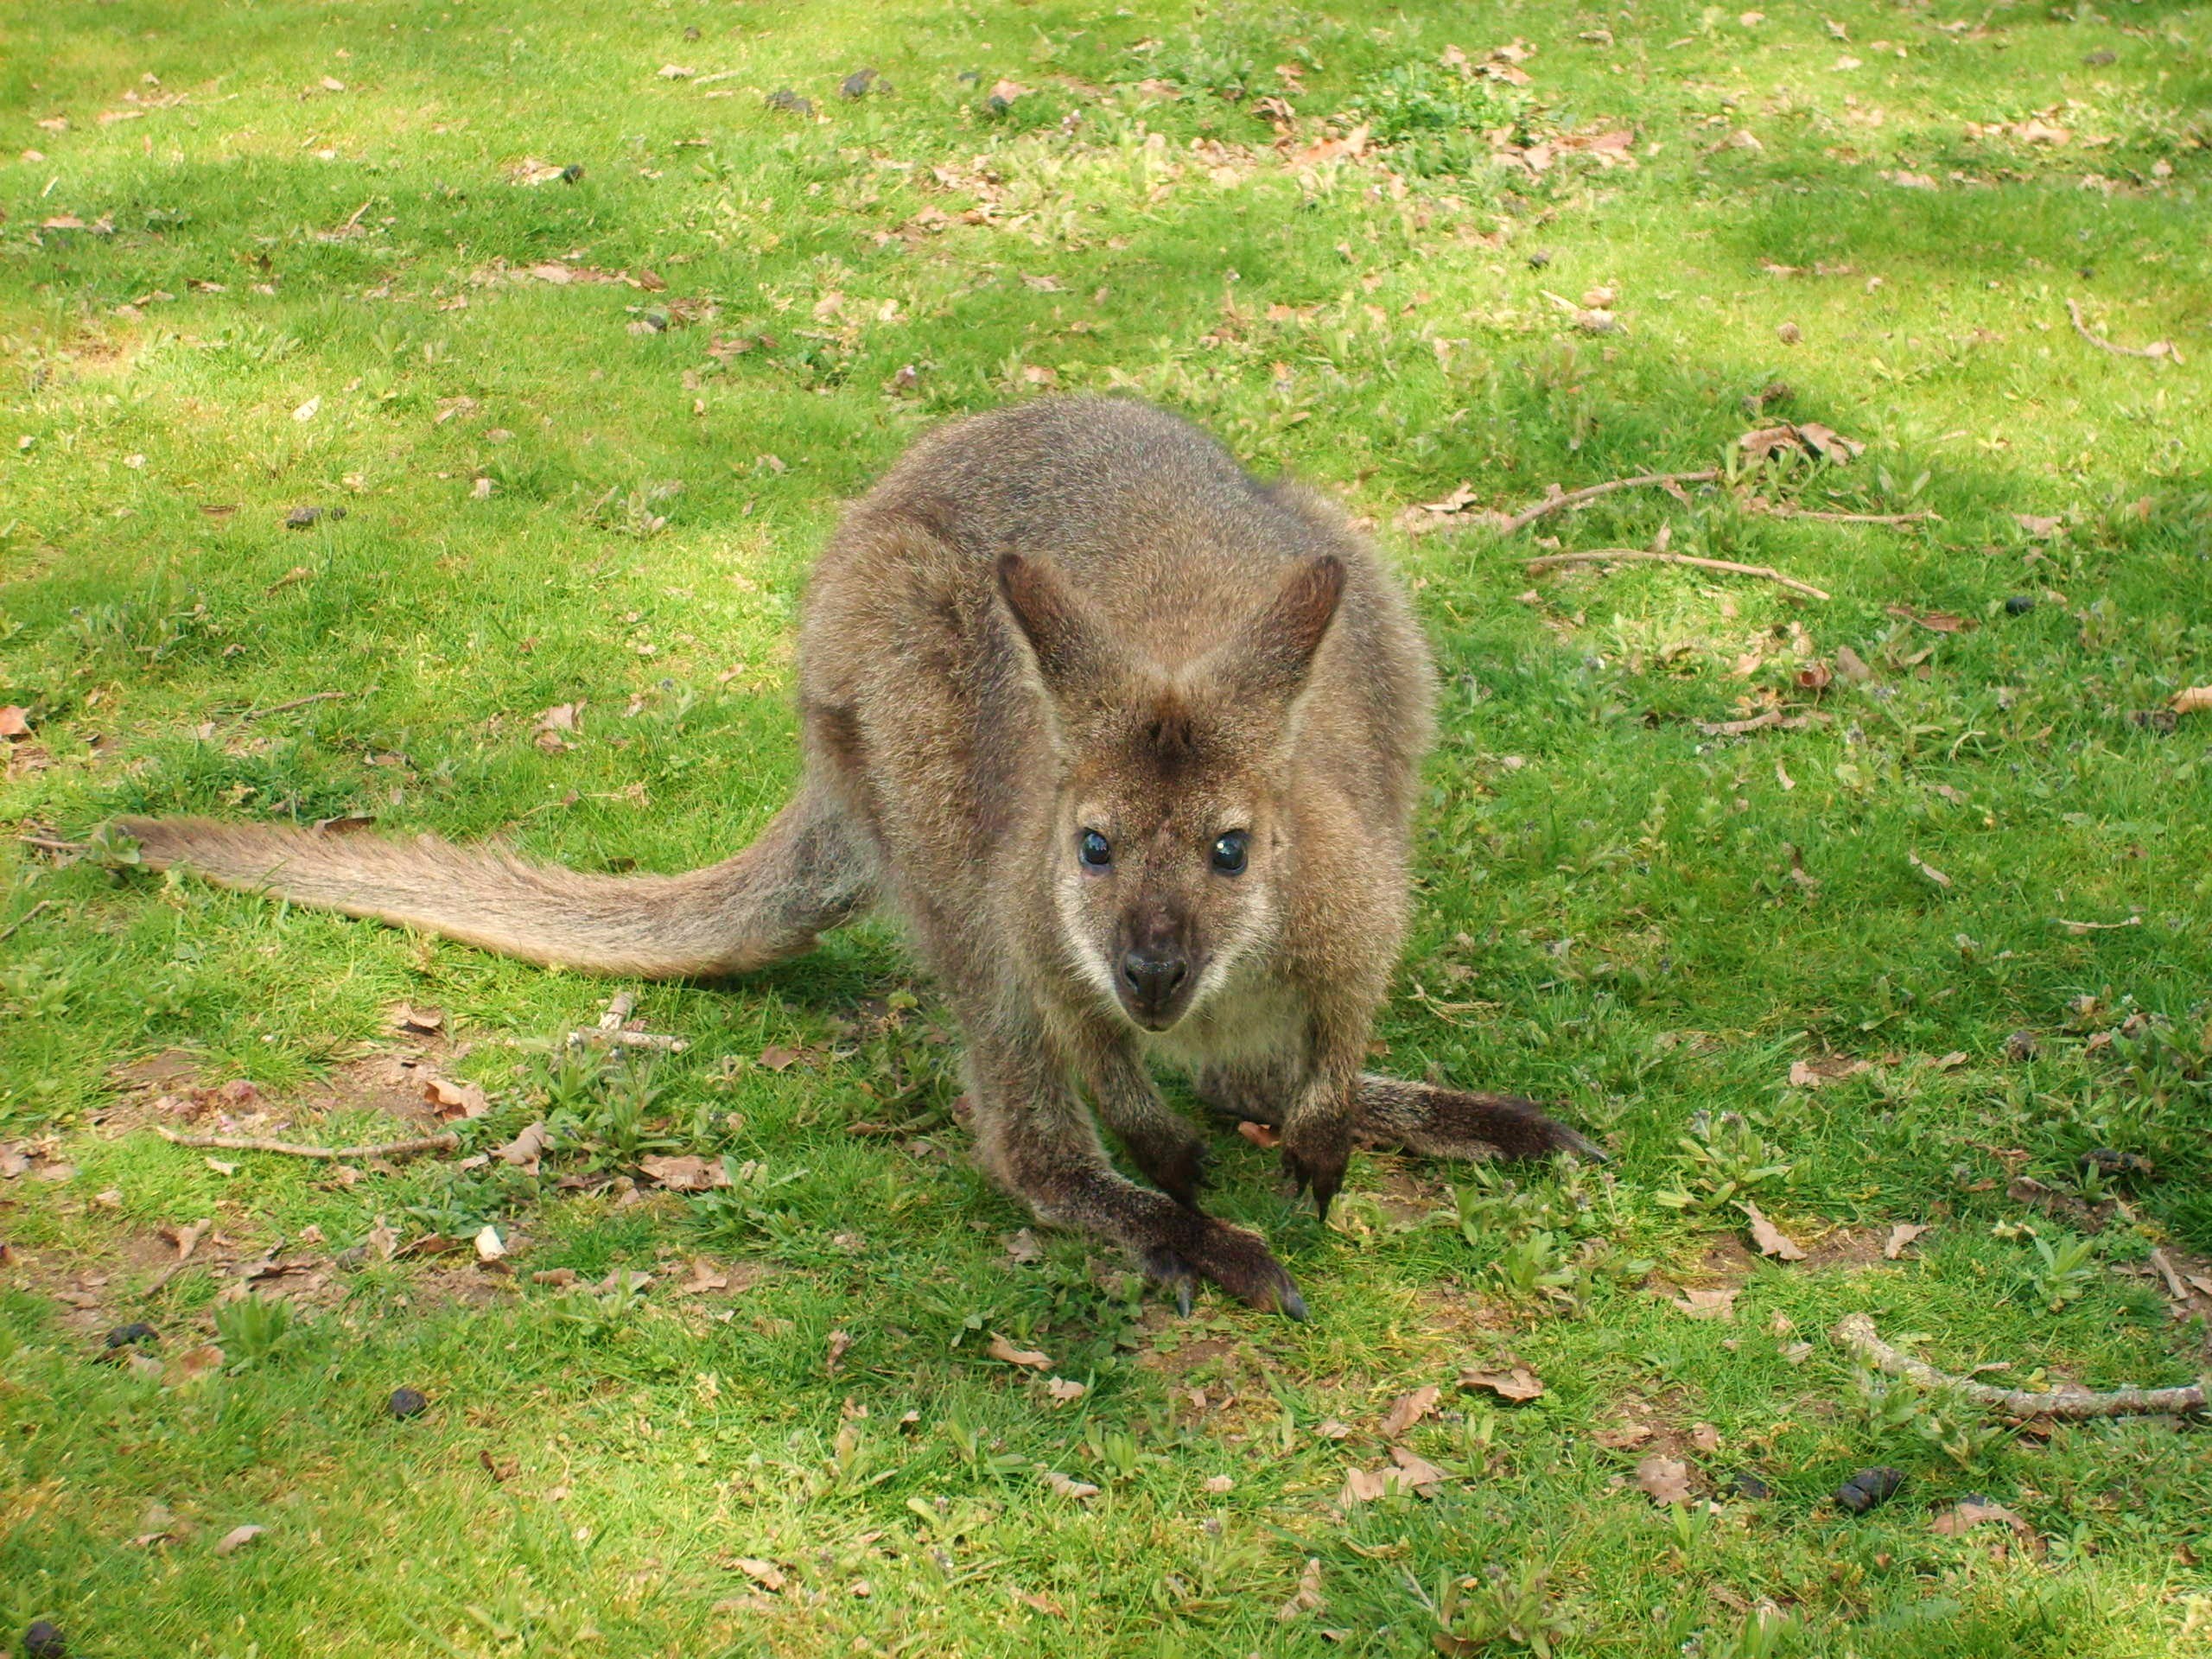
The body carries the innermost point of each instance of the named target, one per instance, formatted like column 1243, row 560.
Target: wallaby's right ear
column 1069, row 649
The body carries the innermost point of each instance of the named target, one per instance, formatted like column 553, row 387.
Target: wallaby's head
column 1170, row 839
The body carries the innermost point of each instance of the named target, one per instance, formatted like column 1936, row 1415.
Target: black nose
column 1153, row 976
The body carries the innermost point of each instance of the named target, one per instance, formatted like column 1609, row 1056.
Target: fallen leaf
column 1516, row 1384
column 777, row 1058
column 1623, row 1437
column 1705, row 1437
column 1971, row 1512
column 1409, row 1409
column 1900, row 1236
column 1307, row 1598
column 1808, row 435
column 840, row 1342
column 549, row 725
column 674, row 71
column 490, row 1246
column 14, row 721
column 1260, row 1135
column 1330, row 1429
column 1811, row 1074
column 1023, row 1248
column 1417, row 1472
column 1664, row 1480
column 526, row 1149
column 705, row 1276
column 766, row 1574
column 1927, row 871
column 1219, row 1484
column 1718, row 1303
column 2040, row 529
column 1770, row 1239
column 382, row 1241
column 688, row 1173
column 186, row 1238
column 1044, row 1604
column 1063, row 1390
column 237, row 1539
column 1067, row 1485
column 1005, row 92
column 195, row 1363
column 1001, row 1349
column 451, row 1100
column 221, row 1167
column 1795, row 1353
column 2197, row 699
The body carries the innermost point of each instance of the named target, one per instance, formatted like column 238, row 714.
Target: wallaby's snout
column 1156, row 976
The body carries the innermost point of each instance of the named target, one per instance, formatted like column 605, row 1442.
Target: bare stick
column 1529, row 515
column 1857, row 1333
column 1606, row 554
column 599, row 1038
column 296, row 702
column 2056, row 921
column 1783, row 510
column 247, row 1143
column 48, row 843
column 2156, row 350
column 9, row 932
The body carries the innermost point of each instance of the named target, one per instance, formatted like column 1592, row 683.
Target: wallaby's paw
column 1316, row 1147
column 1178, row 1166
column 1199, row 1246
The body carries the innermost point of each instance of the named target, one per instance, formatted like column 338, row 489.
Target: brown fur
column 1072, row 616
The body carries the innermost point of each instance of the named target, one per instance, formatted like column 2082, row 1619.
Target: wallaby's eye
column 1093, row 849
column 1229, row 853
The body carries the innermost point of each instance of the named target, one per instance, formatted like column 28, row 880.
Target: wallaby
column 1130, row 740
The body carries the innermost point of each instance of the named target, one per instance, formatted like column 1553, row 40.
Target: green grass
column 290, row 296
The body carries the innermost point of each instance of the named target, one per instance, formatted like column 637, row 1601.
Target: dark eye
column 1229, row 853
column 1092, row 848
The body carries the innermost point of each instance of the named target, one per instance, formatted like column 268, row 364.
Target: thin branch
column 2156, row 350
column 1607, row 555
column 9, row 932
column 1783, row 510
column 1529, row 515
column 595, row 1037
column 247, row 1143
column 2056, row 921
column 1857, row 1333
column 48, row 843
column 296, row 702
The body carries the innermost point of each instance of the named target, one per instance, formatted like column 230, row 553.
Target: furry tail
column 808, row 872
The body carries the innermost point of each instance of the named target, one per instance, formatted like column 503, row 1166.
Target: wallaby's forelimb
column 1034, row 1138
column 808, row 871
column 1164, row 1144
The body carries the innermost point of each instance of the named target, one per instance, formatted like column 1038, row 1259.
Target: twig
column 594, row 1037
column 2056, row 921
column 2157, row 349
column 1783, row 510
column 48, row 843
column 296, row 702
column 1773, row 718
column 1529, row 515
column 247, row 1143
column 1605, row 555
column 1857, row 1333
column 9, row 931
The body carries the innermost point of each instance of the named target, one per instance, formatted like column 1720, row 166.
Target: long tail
column 808, row 872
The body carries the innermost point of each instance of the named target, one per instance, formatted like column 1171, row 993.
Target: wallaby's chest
column 1249, row 1020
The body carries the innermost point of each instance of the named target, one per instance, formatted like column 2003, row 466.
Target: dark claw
column 1580, row 1146
column 1293, row 1304
column 1183, row 1297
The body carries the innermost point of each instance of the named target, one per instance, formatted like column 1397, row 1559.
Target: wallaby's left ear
column 1270, row 656
column 1071, row 652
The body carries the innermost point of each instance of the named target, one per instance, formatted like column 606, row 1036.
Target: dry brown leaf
column 1705, row 1437
column 526, row 1149
column 1006, row 90
column 195, row 1363
column 1623, row 1437
column 1716, row 1303
column 1808, row 435
column 777, row 1058
column 1409, row 1409
column 1044, row 1604
column 1260, row 1135
column 14, row 721
column 1972, row 1512
column 840, row 1343
column 1001, row 1349
column 2196, row 700
column 688, row 1173
column 705, row 1276
column 418, row 1023
column 490, row 1246
column 1927, row 871
column 1900, row 1236
column 1023, row 1248
column 1517, row 1384
column 766, row 1574
column 1811, row 1074
column 1417, row 1472
column 1350, row 147
column 1219, row 1484
column 1308, row 1599
column 237, row 1539
column 1770, row 1239
column 451, row 1100
column 2040, row 529
column 383, row 1241
column 1064, row 1391
column 1663, row 1479
column 1067, row 1485
column 186, row 1238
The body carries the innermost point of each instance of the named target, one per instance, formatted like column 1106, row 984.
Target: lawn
column 427, row 413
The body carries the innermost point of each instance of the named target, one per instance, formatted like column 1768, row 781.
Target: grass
column 306, row 280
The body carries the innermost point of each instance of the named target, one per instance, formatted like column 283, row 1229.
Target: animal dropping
column 1130, row 740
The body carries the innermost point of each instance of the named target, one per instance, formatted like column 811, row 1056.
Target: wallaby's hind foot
column 1199, row 1246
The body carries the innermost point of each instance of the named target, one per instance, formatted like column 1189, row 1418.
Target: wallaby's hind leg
column 1165, row 1145
column 1036, row 1140
column 1424, row 1118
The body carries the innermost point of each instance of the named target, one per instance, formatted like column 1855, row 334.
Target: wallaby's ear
column 1069, row 649
column 1270, row 656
